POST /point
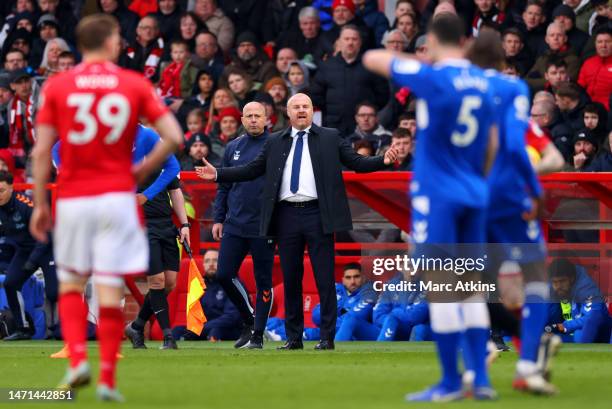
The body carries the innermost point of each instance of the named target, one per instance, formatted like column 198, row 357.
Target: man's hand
column 217, row 231
column 579, row 160
column 206, row 172
column 40, row 222
column 536, row 211
column 142, row 199
column 390, row 156
column 184, row 235
column 559, row 328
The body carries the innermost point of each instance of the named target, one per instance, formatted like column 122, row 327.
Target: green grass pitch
column 358, row 375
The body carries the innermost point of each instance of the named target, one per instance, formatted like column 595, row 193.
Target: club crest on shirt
column 236, row 155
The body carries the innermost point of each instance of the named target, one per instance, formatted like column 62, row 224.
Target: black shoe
column 499, row 343
column 245, row 336
column 137, row 337
column 19, row 335
column 169, row 343
column 323, row 345
column 256, row 342
column 289, row 345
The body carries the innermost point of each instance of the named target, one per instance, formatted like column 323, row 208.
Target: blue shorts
column 519, row 240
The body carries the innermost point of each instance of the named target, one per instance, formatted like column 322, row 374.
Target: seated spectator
column 555, row 74
column 201, row 95
column 596, row 72
column 407, row 120
column 545, row 114
column 178, row 77
column 368, row 127
column 66, row 61
column 511, row 67
column 532, row 25
column 15, row 59
column 583, row 11
column 488, row 14
column 276, row 119
column 56, row 11
column 556, row 40
column 239, row 82
column 367, row 10
column 50, row 60
column 144, row 55
column 401, row 141
column 580, row 313
column 48, row 29
column 277, row 88
column 251, row 59
column 576, row 38
column 602, row 15
column 22, row 110
column 567, row 98
column 594, row 119
column 198, row 147
column 585, row 150
column 408, row 25
column 308, row 41
column 207, row 55
column 364, row 147
column 7, row 164
column 168, row 16
column 283, row 58
column 395, row 40
column 514, row 47
column 343, row 13
column 189, row 26
column 297, row 78
column 20, row 39
column 603, row 161
column 229, row 124
column 223, row 319
column 403, row 7
column 222, row 98
column 216, row 22
column 356, row 299
column 143, row 7
column 128, row 20
column 195, row 122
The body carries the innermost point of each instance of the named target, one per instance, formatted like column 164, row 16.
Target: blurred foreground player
column 449, row 190
column 94, row 109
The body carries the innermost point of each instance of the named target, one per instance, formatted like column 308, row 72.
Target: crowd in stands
column 208, row 58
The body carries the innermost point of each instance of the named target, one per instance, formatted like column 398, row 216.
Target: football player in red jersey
column 94, row 109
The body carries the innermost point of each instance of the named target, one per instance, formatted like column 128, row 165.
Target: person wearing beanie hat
column 198, row 147
column 277, row 88
column 564, row 15
column 583, row 10
column 250, row 58
column 585, row 149
column 229, row 124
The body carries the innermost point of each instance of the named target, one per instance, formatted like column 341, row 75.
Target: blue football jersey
column 454, row 115
column 512, row 179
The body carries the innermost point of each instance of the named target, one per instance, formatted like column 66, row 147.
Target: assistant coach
column 304, row 203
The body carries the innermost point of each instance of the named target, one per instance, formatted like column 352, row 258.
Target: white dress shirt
column 307, row 189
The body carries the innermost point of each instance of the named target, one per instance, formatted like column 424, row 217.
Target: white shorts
column 101, row 235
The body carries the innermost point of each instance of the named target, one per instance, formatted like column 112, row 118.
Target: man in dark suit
column 304, row 203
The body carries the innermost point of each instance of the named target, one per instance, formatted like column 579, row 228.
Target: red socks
column 73, row 318
column 110, row 333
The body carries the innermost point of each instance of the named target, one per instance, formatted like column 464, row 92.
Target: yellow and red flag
column 196, row 287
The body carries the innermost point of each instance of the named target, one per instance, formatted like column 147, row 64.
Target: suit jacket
column 328, row 152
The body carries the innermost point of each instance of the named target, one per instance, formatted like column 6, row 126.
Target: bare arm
column 552, row 160
column 40, row 222
column 379, row 61
column 178, row 204
column 492, row 147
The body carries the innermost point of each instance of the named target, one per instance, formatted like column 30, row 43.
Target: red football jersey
column 537, row 137
column 95, row 108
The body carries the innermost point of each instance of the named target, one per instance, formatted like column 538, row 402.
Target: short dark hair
column 352, row 266
column 604, row 29
column 535, row 3
column 406, row 116
column 363, row 143
column 511, row 62
column 92, row 31
column 555, row 61
column 179, row 41
column 67, row 54
column 351, row 27
column 6, row 176
column 562, row 267
column 515, row 32
column 486, row 50
column 448, row 29
column 592, row 108
column 365, row 104
column 400, row 133
column 569, row 90
column 15, row 50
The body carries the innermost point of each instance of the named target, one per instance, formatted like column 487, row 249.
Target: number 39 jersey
column 454, row 114
column 94, row 109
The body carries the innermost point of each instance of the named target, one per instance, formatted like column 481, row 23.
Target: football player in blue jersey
column 456, row 149
column 513, row 229
column 356, row 299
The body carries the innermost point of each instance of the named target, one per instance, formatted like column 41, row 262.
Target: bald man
column 237, row 211
column 304, row 203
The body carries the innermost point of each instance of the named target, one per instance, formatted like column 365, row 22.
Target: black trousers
column 299, row 227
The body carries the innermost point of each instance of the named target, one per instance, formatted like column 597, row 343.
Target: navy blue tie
column 297, row 161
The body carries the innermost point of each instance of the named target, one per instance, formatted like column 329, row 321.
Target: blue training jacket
column 407, row 306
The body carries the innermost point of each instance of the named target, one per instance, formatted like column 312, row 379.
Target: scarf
column 21, row 126
column 152, row 59
column 170, row 84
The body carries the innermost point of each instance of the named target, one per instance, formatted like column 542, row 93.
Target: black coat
column 328, row 152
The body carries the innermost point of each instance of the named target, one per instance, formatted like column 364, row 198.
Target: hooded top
column 293, row 89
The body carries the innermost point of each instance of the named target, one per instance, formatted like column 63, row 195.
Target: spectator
column 511, row 67
column 189, row 26
column 514, row 47
column 195, row 122
column 15, row 59
column 283, row 58
column 368, row 127
column 241, row 86
column 401, row 141
column 532, row 25
column 567, row 98
column 262, row 17
column 50, row 60
column 6, row 94
column 276, row 118
column 202, row 93
column 229, row 124
column 277, row 88
column 403, row 7
column 308, row 41
column 585, row 150
column 144, row 55
column 66, row 61
column 252, row 60
column 207, row 55
column 408, row 25
column 20, row 39
column 55, row 11
column 128, row 20
column 198, row 147
column 395, row 40
column 556, row 40
column 178, row 77
column 364, row 147
column 421, row 49
column 594, row 119
column 143, row 7
column 367, row 10
column 25, row 20
column 222, row 98
column 342, row 82
column 343, row 13
column 596, row 72
column 407, row 121
column 216, row 22
column 168, row 16
column 297, row 78
column 223, row 319
column 602, row 15
column 583, row 10
column 544, row 113
column 22, row 111
column 565, row 16
column 555, row 74
column 7, row 164
column 48, row 29
column 488, row 14
column 603, row 161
